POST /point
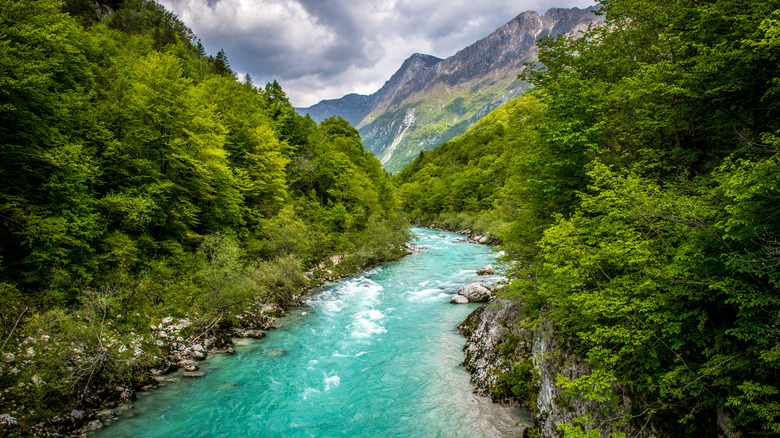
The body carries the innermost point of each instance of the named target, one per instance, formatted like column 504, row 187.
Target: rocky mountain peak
column 412, row 75
column 449, row 94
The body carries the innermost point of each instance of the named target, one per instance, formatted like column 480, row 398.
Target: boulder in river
column 459, row 299
column 475, row 292
column 487, row 270
column 192, row 374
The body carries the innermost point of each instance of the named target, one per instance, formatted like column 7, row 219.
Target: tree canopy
column 636, row 186
column 139, row 176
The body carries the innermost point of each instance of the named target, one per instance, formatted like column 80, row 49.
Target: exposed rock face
column 448, row 95
column 103, row 11
column 551, row 359
column 475, row 292
column 497, row 341
column 485, row 334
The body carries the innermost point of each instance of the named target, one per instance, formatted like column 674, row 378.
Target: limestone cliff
column 499, row 345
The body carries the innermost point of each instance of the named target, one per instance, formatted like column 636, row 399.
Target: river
column 377, row 355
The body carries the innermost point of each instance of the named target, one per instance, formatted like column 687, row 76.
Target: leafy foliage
column 637, row 188
column 140, row 180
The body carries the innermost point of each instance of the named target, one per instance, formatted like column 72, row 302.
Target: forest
column 636, row 190
column 141, row 180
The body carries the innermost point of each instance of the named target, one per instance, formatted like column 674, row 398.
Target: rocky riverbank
column 511, row 361
column 470, row 236
column 182, row 343
column 149, row 354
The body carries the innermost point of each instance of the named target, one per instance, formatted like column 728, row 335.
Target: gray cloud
column 324, row 49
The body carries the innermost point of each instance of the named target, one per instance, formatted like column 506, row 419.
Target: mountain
column 430, row 100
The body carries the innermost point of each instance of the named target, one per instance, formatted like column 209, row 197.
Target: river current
column 377, row 355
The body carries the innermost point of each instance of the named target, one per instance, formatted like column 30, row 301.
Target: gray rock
column 459, row 299
column 485, row 333
column 475, row 292
column 246, row 333
column 489, row 327
column 192, row 374
column 105, row 414
column 77, row 414
column 7, row 420
column 274, row 310
column 200, row 355
column 487, row 270
column 198, row 347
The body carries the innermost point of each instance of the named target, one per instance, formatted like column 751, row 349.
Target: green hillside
column 636, row 190
column 140, row 180
column 429, row 118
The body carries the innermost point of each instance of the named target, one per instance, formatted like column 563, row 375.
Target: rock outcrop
column 554, row 408
column 484, row 334
column 498, row 342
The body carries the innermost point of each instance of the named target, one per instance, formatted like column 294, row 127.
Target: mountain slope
column 429, row 100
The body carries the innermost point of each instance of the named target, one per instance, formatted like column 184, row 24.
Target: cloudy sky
column 324, row 49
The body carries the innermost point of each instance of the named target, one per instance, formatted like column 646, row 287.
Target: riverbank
column 137, row 352
column 516, row 361
column 376, row 354
column 486, row 238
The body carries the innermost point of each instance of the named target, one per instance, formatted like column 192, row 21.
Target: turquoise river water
column 377, row 355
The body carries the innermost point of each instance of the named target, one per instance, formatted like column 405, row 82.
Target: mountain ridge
column 405, row 115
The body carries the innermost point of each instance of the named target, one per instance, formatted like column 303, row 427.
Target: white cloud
column 324, row 49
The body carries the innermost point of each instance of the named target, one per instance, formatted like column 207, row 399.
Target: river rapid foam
column 376, row 355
